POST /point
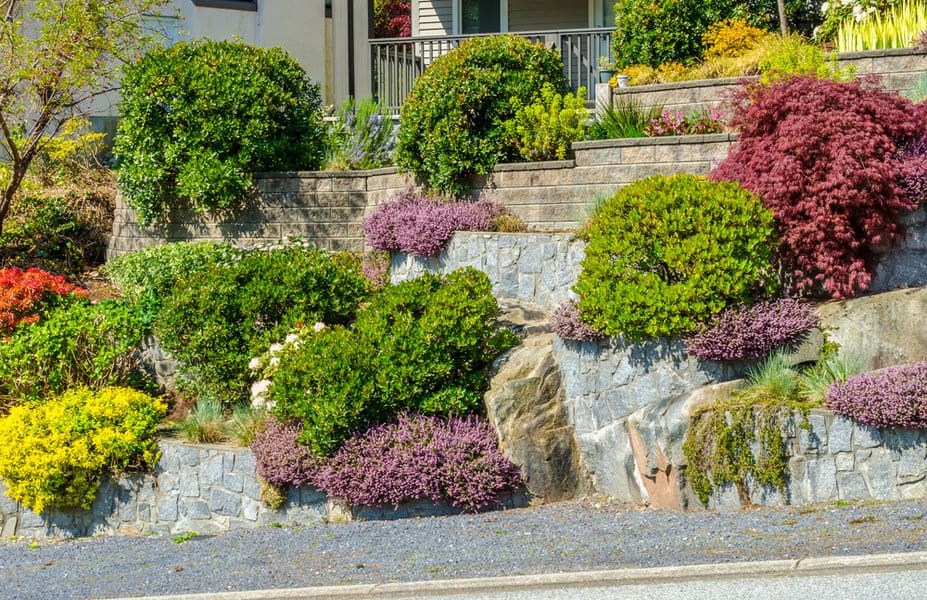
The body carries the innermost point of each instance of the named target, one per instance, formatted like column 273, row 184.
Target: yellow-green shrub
column 54, row 454
column 731, row 38
column 546, row 128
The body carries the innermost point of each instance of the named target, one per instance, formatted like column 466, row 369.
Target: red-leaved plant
column 24, row 294
column 824, row 156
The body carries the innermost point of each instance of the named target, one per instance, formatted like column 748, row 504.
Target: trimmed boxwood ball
column 198, row 118
column 666, row 253
column 452, row 123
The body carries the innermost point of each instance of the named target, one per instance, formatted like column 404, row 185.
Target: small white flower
column 319, row 326
column 824, row 7
column 275, row 349
column 259, row 393
column 274, row 361
column 255, row 364
column 291, row 338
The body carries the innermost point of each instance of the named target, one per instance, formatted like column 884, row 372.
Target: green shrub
column 453, row 122
column 665, row 253
column 54, row 454
column 217, row 319
column 199, row 117
column 547, row 128
column 421, row 345
column 77, row 344
column 146, row 277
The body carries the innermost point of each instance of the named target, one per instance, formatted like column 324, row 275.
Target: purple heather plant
column 423, row 225
column 913, row 179
column 568, row 324
column 891, row 397
column 376, row 268
column 738, row 333
column 421, row 457
column 281, row 459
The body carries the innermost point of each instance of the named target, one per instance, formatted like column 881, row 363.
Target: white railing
column 397, row 62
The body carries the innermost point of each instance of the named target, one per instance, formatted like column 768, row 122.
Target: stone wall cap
column 324, row 174
column 878, row 53
column 682, row 85
column 668, row 140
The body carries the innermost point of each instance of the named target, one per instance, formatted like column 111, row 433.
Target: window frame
column 249, row 5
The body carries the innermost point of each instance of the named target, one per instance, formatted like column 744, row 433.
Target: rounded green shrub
column 665, row 253
column 199, row 117
column 217, row 319
column 453, row 122
column 54, row 454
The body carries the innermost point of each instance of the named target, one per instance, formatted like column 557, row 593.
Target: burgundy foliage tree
column 824, row 156
column 392, row 19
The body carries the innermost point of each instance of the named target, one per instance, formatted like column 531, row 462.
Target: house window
column 232, row 4
column 480, row 16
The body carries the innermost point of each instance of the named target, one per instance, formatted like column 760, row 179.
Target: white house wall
column 434, row 17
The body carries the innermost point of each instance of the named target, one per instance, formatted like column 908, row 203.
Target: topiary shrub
column 823, row 157
column 423, row 224
column 216, row 320
column 547, row 128
column 665, row 253
column 24, row 295
column 422, row 345
column 892, row 397
column 453, row 122
column 54, row 454
column 199, row 117
column 76, row 344
column 739, row 333
column 455, row 460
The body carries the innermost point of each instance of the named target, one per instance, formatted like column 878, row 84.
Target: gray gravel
column 587, row 534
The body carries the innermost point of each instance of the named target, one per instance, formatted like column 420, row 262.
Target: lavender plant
column 455, row 460
column 892, row 397
column 738, row 333
column 567, row 323
column 424, row 224
column 281, row 459
column 362, row 137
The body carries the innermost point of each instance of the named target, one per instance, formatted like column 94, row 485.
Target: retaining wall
column 898, row 68
column 328, row 208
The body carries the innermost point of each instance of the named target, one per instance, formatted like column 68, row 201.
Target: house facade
column 463, row 17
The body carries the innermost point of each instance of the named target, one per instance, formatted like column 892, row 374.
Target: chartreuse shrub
column 422, row 345
column 54, row 454
column 217, row 319
column 824, row 157
column 25, row 295
column 784, row 56
column 546, row 128
column 75, row 344
column 199, row 117
column 146, row 277
column 453, row 122
column 665, row 253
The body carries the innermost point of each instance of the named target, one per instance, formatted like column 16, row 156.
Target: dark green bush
column 199, row 117
column 668, row 252
column 453, row 122
column 217, row 319
column 422, row 345
column 75, row 344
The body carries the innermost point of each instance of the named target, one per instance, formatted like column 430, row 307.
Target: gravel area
column 587, row 534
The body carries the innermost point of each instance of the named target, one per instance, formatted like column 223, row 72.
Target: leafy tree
column 55, row 56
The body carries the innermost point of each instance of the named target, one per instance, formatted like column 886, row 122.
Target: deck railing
column 397, row 62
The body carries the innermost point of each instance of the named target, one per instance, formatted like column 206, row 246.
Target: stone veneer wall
column 898, row 68
column 328, row 208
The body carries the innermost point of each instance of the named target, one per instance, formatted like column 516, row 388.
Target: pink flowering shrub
column 742, row 333
column 913, row 180
column 281, row 459
column 375, row 268
column 891, row 397
column 567, row 323
column 708, row 120
column 423, row 225
column 418, row 457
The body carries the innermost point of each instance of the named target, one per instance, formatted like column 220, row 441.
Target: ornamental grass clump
column 423, row 224
column 567, row 322
column 892, row 397
column 823, row 156
column 739, row 333
column 456, row 460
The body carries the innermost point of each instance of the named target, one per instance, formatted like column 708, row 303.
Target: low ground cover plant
column 666, row 253
column 423, row 224
column 199, row 117
column 708, row 120
column 894, row 397
column 453, row 122
column 54, row 454
column 823, row 156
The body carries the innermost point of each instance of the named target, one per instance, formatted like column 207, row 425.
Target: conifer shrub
column 54, row 454
column 666, row 253
column 25, row 295
column 453, row 122
column 456, row 460
column 823, row 156
column 199, row 117
column 739, row 333
column 891, row 397
column 423, row 224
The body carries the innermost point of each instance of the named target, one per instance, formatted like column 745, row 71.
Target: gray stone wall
column 328, row 208
column 898, row 68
